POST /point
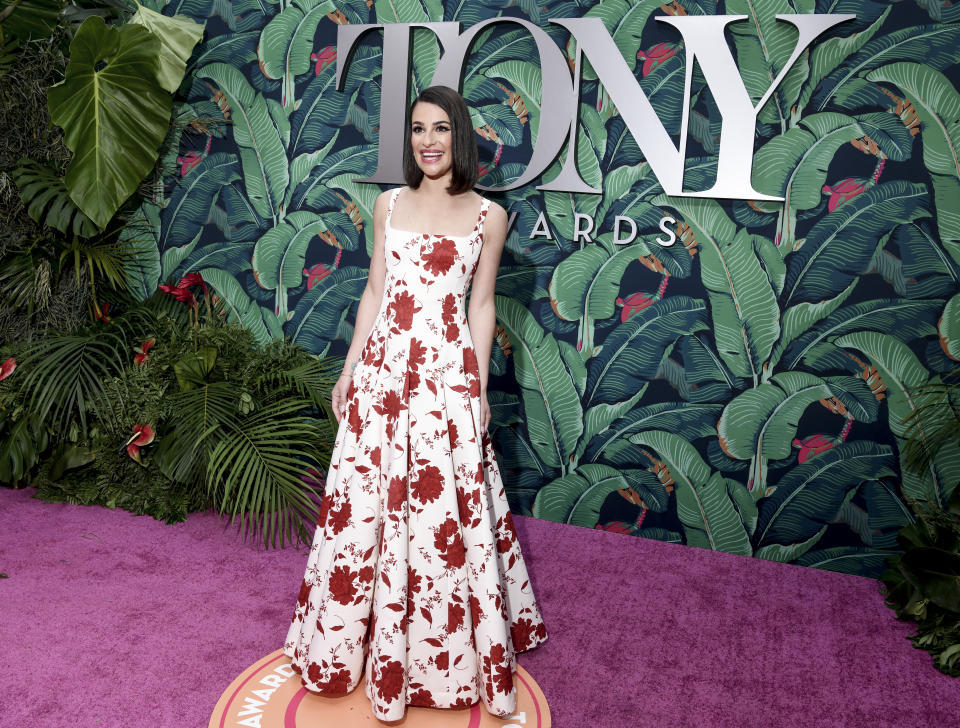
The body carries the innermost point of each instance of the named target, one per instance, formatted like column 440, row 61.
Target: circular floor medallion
column 269, row 694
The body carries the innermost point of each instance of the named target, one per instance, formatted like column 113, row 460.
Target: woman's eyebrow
column 420, row 123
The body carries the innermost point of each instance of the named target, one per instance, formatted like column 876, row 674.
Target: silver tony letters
column 703, row 39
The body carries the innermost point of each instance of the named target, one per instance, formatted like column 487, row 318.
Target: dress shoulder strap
column 394, row 193
column 484, row 206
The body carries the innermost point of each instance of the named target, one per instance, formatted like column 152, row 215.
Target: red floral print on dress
column 403, row 307
column 429, row 484
column 448, row 315
column 340, row 518
column 449, row 544
column 389, row 680
column 441, row 258
column 397, row 493
column 342, row 586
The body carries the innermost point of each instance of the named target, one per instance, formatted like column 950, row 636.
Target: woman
column 415, row 567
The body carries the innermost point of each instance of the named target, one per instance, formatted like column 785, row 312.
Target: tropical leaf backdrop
column 744, row 390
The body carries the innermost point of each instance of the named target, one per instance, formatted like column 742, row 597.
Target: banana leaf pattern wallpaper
column 743, row 390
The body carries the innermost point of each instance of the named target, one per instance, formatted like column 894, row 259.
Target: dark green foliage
column 923, row 584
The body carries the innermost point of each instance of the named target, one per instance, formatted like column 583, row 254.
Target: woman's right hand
column 339, row 399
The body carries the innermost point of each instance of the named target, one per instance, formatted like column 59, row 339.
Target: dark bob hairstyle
column 464, row 142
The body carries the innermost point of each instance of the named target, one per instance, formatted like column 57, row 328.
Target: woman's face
column 431, row 139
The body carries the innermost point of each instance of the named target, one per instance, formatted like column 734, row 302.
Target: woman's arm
column 481, row 311
column 369, row 304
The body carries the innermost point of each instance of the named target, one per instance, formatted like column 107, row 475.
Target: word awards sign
column 269, row 694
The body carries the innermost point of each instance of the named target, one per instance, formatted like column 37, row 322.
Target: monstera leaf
column 716, row 512
column 110, row 95
column 286, row 42
column 740, row 271
column 262, row 153
column 178, row 35
column 551, row 403
column 937, row 103
column 808, row 496
column 47, row 200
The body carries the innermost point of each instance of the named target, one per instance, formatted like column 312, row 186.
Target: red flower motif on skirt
column 449, row 543
column 413, row 581
column 442, row 257
column 502, row 677
column 475, row 611
column 324, row 508
column 353, row 416
column 472, row 370
column 389, row 681
column 342, row 586
column 403, row 307
column 421, row 698
column 452, row 433
column 429, row 484
column 340, row 518
column 304, row 593
column 418, row 354
column 448, row 316
column 391, row 404
column 443, row 660
column 522, row 630
column 397, row 493
column 339, row 682
column 366, row 574
column 455, row 615
column 314, row 673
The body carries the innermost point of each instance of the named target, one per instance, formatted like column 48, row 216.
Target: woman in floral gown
column 415, row 578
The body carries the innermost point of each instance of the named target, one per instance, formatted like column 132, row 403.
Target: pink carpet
column 109, row 619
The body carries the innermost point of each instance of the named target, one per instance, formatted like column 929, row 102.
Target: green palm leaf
column 577, row 497
column 286, row 42
column 255, row 471
column 47, row 199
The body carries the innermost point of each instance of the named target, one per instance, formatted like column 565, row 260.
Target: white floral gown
column 415, row 571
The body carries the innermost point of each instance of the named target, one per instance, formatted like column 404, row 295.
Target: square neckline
column 477, row 228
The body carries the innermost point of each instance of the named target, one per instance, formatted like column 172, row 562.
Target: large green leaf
column 736, row 270
column 938, row 45
column 714, row 512
column 854, row 560
column 840, row 247
column 763, row 421
column 113, row 113
column 239, row 306
column 262, row 152
column 188, row 209
column 178, row 36
column 902, row 374
column 279, row 255
column 577, row 497
column 764, row 45
column 949, row 328
column 624, row 20
column 633, row 352
column 808, row 496
column 552, row 407
column 286, row 42
column 321, row 310
column 937, row 103
column 47, row 199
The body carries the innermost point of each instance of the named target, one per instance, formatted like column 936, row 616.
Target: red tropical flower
column 142, row 355
column 102, row 314
column 181, row 291
column 323, row 59
column 6, row 369
column 615, row 527
column 389, row 681
column 142, row 436
column 342, row 586
column 315, row 274
column 634, row 303
column 403, row 306
column 657, row 55
column 845, row 189
column 449, row 543
column 188, row 161
column 812, row 446
column 442, row 257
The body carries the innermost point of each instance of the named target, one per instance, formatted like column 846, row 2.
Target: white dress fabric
column 415, row 574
